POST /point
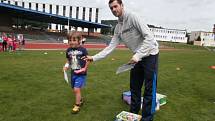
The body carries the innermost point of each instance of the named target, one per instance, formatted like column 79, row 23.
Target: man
column 138, row 38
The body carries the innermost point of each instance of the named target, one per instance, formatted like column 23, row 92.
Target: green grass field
column 32, row 87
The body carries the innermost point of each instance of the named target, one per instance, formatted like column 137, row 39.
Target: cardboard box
column 160, row 99
column 127, row 116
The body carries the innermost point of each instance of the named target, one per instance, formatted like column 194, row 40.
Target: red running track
column 63, row 46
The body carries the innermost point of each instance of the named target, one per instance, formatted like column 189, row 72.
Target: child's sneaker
column 76, row 108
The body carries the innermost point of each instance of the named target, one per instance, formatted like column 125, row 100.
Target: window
column 44, row 7
column 36, row 6
column 23, row 4
column 90, row 14
column 57, row 9
column 84, row 12
column 64, row 10
column 77, row 12
column 29, row 5
column 50, row 9
column 70, row 14
column 97, row 15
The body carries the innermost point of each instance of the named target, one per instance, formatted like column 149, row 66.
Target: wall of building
column 169, row 35
column 194, row 35
column 206, row 38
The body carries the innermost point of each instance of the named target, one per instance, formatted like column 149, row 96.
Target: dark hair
column 118, row 1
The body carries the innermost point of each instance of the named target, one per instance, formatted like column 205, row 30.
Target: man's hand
column 133, row 60
column 87, row 58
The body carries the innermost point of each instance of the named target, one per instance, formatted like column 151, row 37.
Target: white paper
column 66, row 76
column 124, row 67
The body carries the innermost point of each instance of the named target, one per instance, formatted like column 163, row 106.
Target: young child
column 78, row 67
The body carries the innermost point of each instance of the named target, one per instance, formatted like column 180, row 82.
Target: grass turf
column 32, row 87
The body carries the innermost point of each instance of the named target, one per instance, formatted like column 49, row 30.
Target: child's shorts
column 78, row 81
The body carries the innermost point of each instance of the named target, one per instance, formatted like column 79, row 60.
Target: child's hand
column 65, row 69
column 80, row 71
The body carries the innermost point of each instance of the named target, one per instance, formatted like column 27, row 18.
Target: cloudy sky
column 175, row 14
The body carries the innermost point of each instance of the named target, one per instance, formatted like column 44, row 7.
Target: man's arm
column 105, row 52
column 102, row 54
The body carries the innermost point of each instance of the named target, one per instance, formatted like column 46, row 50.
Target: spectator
column 4, row 44
column 10, row 43
column 21, row 41
column 14, row 44
column 1, row 41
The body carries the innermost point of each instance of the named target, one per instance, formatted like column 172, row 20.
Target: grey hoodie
column 135, row 35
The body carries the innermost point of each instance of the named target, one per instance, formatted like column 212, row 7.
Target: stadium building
column 160, row 33
column 203, row 38
column 90, row 14
column 169, row 35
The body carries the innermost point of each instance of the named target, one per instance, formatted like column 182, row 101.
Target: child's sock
column 77, row 104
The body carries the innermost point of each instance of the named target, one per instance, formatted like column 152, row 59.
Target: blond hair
column 74, row 35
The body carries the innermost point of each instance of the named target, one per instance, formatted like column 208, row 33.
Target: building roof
column 153, row 26
column 24, row 13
